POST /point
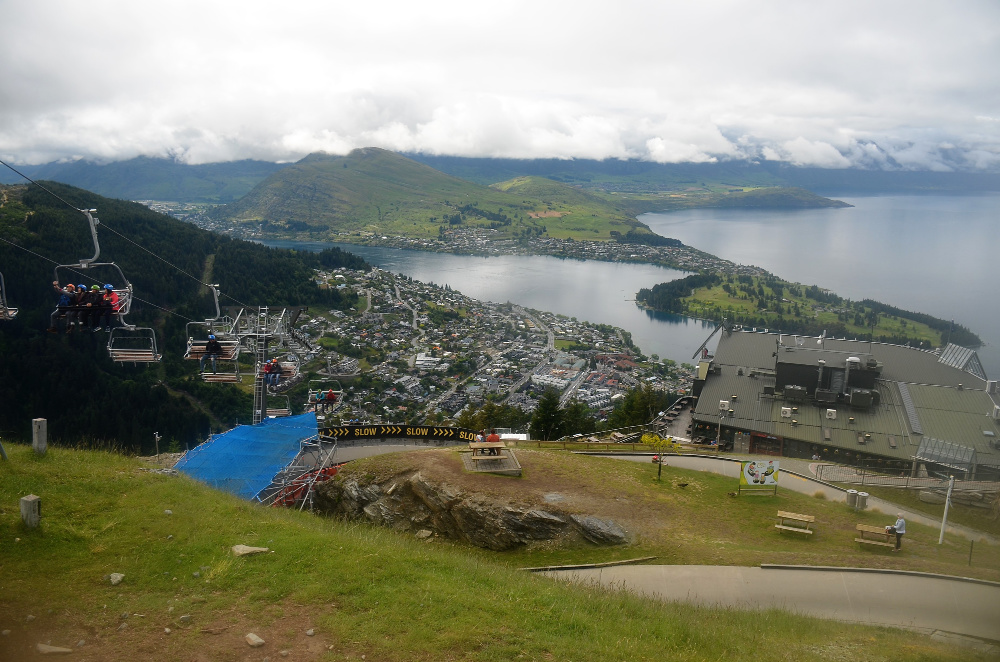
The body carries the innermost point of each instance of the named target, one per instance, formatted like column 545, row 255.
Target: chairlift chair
column 279, row 412
column 227, row 364
column 324, row 407
column 133, row 344
column 222, row 328
column 6, row 312
column 127, row 343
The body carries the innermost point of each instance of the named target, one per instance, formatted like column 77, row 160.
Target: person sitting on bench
column 213, row 350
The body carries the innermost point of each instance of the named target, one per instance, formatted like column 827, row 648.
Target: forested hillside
column 69, row 379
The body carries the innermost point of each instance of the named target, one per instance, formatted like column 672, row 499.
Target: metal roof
column 962, row 358
column 928, row 403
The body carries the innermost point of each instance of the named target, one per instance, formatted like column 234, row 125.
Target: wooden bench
column 481, row 446
column 879, row 536
column 196, row 349
column 799, row 522
column 134, row 355
column 220, row 377
column 477, row 458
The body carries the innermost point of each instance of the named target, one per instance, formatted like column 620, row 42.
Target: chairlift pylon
column 6, row 312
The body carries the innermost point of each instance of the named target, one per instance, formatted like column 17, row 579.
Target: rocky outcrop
column 412, row 503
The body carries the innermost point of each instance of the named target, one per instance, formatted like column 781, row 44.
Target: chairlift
column 227, row 365
column 133, row 344
column 6, row 312
column 127, row 343
column 289, row 366
column 324, row 406
column 277, row 412
column 222, row 328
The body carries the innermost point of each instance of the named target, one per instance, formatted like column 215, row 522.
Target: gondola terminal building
column 876, row 405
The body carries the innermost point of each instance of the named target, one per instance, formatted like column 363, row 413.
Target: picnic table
column 487, row 450
column 796, row 522
column 878, row 536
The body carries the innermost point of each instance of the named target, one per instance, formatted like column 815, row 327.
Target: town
column 415, row 351
column 483, row 241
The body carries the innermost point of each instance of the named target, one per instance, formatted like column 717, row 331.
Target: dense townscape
column 417, row 351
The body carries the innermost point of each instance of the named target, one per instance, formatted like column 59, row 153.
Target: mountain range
column 149, row 178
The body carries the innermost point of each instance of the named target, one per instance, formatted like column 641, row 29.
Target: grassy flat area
column 372, row 592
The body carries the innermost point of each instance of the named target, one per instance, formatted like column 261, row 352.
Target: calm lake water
column 601, row 292
column 933, row 254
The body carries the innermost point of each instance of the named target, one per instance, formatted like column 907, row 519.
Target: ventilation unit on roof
column 996, row 413
column 786, row 412
column 795, row 393
column 831, row 414
column 825, row 395
column 991, row 387
column 861, row 398
column 723, row 405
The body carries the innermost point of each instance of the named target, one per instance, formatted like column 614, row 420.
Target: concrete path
column 729, row 466
column 927, row 603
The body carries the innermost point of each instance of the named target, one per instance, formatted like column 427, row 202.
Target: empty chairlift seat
column 133, row 345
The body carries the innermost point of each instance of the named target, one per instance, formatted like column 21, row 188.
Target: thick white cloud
column 832, row 83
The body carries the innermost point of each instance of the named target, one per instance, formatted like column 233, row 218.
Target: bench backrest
column 871, row 529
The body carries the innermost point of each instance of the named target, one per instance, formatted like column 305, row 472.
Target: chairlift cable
column 84, row 276
column 108, row 227
column 41, row 187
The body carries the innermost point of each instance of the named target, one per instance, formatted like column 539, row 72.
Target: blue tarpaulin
column 246, row 459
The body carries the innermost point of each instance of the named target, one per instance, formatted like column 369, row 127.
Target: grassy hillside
column 365, row 591
column 375, row 191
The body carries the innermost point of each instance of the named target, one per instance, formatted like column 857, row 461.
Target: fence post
column 39, row 435
column 31, row 511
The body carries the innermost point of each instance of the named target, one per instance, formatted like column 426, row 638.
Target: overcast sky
column 909, row 84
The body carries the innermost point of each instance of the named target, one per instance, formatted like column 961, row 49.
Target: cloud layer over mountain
column 897, row 85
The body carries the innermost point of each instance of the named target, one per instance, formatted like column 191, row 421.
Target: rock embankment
column 412, row 503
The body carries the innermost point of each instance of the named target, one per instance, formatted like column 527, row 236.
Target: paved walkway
column 928, row 603
column 729, row 466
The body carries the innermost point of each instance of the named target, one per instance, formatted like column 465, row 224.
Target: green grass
column 367, row 590
column 981, row 519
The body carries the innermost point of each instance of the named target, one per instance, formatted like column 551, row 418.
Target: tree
column 659, row 446
column 639, row 406
column 576, row 418
column 547, row 421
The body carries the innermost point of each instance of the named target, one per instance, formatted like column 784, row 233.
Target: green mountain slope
column 70, row 379
column 376, row 191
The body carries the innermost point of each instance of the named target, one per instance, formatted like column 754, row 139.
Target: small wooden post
column 39, row 435
column 31, row 510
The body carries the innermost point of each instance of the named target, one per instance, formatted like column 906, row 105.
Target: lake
column 932, row 254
